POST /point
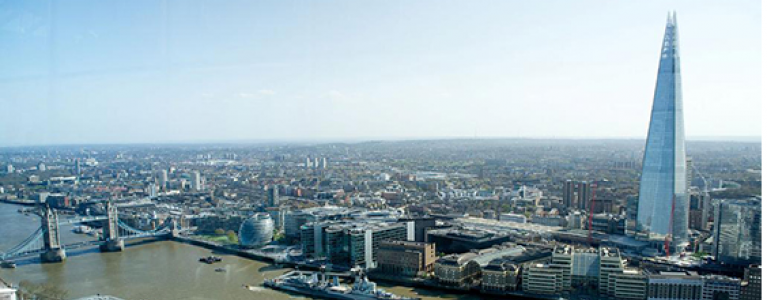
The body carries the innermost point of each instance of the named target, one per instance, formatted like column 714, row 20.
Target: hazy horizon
column 322, row 141
column 200, row 72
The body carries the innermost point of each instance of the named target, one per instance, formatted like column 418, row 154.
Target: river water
column 159, row 270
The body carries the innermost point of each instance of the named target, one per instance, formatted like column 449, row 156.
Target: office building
column 457, row 269
column 313, row 239
column 196, row 181
column 297, row 218
column 404, row 258
column 562, row 258
column 78, row 170
column 256, row 231
column 568, row 194
column 542, row 279
column 152, row 190
column 500, row 275
column 674, row 286
column 350, row 243
column 9, row 168
column 549, row 220
column 663, row 196
column 512, row 218
column 717, row 287
column 630, row 284
column 462, row 270
column 752, row 283
column 273, row 196
column 738, row 232
column 632, row 211
column 585, row 267
column 451, row 241
column 422, row 225
column 162, row 177
column 609, row 223
column 610, row 262
column 278, row 216
column 584, row 196
column 41, row 167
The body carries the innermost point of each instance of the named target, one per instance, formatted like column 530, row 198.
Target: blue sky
column 192, row 71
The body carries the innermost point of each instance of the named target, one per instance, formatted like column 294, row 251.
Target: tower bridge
column 46, row 240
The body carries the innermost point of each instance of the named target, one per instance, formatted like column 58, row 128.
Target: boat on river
column 210, row 259
column 316, row 285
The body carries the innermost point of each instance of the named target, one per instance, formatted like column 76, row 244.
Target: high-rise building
column 152, row 190
column 41, row 167
column 273, row 196
column 568, row 194
column 196, row 181
column 349, row 243
column 584, row 195
column 9, row 169
column 663, row 196
column 78, row 169
column 738, row 232
column 162, row 177
column 324, row 163
column 752, row 290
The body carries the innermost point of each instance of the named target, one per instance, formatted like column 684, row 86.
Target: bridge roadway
column 82, row 220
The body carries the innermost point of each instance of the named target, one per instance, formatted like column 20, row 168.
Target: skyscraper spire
column 663, row 196
column 674, row 18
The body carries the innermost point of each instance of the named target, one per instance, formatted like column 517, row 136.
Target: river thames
column 154, row 270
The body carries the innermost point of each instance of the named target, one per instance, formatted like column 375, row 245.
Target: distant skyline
column 205, row 71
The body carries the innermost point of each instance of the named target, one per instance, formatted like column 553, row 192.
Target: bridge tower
column 51, row 238
column 110, row 232
column 174, row 228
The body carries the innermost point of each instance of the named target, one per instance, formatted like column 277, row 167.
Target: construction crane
column 591, row 214
column 670, row 226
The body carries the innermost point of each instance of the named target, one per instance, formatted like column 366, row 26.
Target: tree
column 279, row 236
column 219, row 231
column 232, row 236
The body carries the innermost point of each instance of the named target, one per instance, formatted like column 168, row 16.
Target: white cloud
column 246, row 95
column 267, row 92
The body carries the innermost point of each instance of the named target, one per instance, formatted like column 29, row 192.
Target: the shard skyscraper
column 663, row 193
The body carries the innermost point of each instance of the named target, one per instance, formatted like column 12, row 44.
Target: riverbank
column 250, row 254
column 24, row 202
column 417, row 282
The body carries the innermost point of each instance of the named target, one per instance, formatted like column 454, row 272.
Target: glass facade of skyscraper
column 738, row 231
column 663, row 198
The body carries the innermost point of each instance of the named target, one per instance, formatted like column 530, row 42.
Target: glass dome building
column 256, row 231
